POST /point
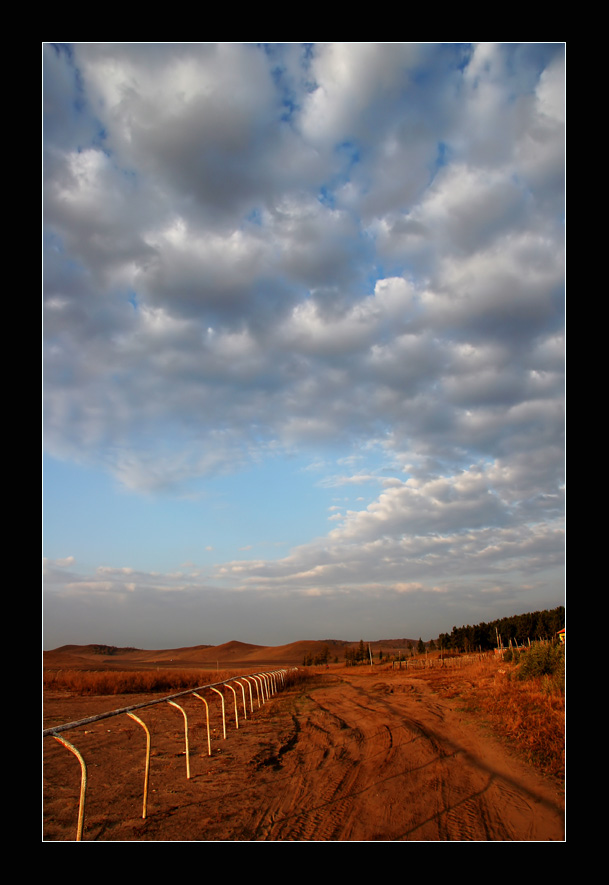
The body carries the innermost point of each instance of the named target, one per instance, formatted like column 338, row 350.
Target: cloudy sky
column 303, row 316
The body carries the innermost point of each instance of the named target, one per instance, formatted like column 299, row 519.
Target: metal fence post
column 183, row 712
column 228, row 685
column 223, row 715
column 244, row 701
column 83, row 785
column 207, row 717
column 147, row 766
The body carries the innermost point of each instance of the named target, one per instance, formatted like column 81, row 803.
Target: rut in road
column 390, row 761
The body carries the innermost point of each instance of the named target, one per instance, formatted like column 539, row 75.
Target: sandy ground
column 346, row 756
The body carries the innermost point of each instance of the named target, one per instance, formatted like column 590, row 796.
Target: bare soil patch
column 348, row 755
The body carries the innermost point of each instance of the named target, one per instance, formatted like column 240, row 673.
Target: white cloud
column 350, row 249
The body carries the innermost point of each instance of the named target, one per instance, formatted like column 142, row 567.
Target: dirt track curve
column 342, row 758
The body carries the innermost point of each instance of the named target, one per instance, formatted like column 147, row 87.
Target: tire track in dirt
column 372, row 763
column 327, row 753
column 335, row 758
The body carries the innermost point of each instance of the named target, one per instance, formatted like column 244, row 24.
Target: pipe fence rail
column 261, row 685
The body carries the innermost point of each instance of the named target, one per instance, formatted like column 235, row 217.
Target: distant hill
column 231, row 653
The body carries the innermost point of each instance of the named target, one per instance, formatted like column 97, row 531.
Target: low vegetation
column 105, row 682
column 521, row 698
column 109, row 682
column 546, row 661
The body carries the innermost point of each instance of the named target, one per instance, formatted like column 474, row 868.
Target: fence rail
column 262, row 685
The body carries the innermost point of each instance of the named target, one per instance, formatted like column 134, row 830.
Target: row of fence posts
column 442, row 661
column 266, row 684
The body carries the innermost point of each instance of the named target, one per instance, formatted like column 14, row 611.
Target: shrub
column 547, row 660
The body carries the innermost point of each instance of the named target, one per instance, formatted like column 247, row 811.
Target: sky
column 303, row 312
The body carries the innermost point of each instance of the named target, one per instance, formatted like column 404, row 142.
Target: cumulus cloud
column 254, row 249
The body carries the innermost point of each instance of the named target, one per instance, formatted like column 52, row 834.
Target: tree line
column 517, row 628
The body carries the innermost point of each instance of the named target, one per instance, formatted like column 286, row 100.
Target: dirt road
column 345, row 757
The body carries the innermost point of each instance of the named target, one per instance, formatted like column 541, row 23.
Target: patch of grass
column 108, row 682
column 531, row 717
column 522, row 703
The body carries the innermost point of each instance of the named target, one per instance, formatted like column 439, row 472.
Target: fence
column 447, row 660
column 261, row 685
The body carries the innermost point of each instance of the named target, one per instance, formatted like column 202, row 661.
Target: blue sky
column 304, row 345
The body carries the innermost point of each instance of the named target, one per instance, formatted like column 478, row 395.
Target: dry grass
column 531, row 718
column 529, row 713
column 108, row 682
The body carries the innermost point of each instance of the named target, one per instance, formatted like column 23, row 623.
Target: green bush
column 513, row 655
column 542, row 660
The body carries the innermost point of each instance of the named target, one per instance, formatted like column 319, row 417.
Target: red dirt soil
column 347, row 755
